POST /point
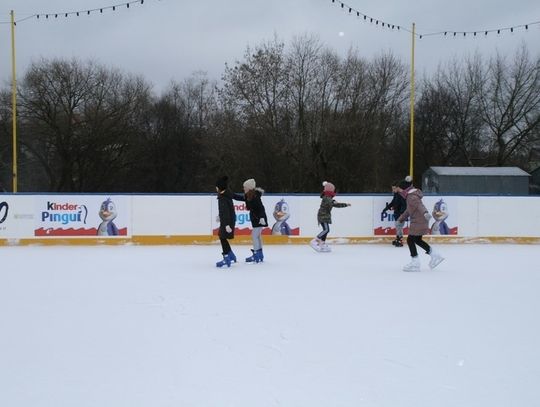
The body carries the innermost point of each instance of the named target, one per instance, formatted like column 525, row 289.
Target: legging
column 225, row 246
column 413, row 240
column 256, row 237
column 325, row 230
column 399, row 228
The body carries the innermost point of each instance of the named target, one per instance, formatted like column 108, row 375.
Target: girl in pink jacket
column 418, row 225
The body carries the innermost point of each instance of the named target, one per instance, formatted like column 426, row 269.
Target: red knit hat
column 329, row 189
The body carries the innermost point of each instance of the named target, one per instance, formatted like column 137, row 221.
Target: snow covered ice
column 162, row 326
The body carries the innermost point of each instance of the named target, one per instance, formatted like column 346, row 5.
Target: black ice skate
column 398, row 242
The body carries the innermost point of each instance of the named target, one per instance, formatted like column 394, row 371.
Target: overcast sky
column 165, row 40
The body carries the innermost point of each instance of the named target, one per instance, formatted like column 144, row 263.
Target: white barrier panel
column 82, row 216
column 38, row 217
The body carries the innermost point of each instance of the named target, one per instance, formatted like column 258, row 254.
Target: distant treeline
column 288, row 116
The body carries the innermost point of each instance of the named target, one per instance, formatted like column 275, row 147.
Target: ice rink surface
column 136, row 326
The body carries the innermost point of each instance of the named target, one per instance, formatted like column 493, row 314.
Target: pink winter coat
column 418, row 224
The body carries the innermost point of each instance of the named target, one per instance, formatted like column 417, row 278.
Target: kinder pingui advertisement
column 103, row 216
column 278, row 212
column 443, row 221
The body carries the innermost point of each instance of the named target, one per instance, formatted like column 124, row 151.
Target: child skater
column 398, row 205
column 227, row 221
column 324, row 216
column 418, row 225
column 252, row 197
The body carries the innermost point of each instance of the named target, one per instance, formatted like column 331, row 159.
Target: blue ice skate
column 259, row 257
column 232, row 256
column 256, row 256
column 225, row 262
column 251, row 258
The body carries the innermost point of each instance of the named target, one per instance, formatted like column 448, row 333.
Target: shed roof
column 481, row 171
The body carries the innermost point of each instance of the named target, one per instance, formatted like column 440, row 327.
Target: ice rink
column 134, row 326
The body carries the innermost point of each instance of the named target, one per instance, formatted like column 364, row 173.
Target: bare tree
column 77, row 120
column 449, row 116
column 510, row 100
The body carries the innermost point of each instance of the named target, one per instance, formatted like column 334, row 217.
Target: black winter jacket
column 227, row 216
column 255, row 207
column 398, row 204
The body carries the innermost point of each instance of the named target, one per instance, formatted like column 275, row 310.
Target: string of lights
column 78, row 13
column 366, row 18
column 476, row 33
column 445, row 33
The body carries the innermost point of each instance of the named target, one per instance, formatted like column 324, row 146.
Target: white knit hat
column 250, row 184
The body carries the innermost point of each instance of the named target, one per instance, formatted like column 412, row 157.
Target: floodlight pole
column 411, row 138
column 14, row 101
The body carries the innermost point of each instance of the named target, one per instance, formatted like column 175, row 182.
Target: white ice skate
column 325, row 248
column 315, row 244
column 414, row 265
column 436, row 258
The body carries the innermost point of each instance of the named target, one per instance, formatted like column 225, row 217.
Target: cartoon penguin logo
column 440, row 214
column 107, row 213
column 281, row 214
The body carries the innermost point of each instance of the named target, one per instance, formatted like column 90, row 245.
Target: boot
column 225, row 262
column 325, row 248
column 259, row 256
column 316, row 244
column 398, row 242
column 414, row 265
column 232, row 256
column 436, row 258
column 251, row 258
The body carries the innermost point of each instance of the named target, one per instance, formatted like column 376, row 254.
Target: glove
column 262, row 221
column 228, row 229
column 427, row 215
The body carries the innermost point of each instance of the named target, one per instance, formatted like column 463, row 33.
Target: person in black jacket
column 252, row 197
column 227, row 221
column 398, row 205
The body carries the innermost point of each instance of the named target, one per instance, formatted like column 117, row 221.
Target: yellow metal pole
column 14, row 101
column 411, row 149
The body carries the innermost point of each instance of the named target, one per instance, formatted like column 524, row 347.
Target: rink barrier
column 187, row 219
column 245, row 240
